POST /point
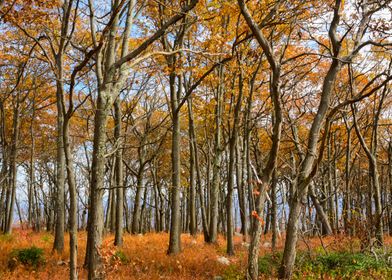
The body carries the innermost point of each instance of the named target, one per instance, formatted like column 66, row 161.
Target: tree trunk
column 13, row 169
column 192, row 174
column 118, row 239
column 289, row 254
column 253, row 265
column 175, row 222
column 231, row 171
column 274, row 212
column 197, row 168
column 214, row 196
column 73, row 211
column 60, row 162
column 240, row 166
column 139, row 191
column 95, row 225
column 320, row 211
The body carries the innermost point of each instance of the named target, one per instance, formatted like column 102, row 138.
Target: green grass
column 47, row 238
column 345, row 265
column 342, row 265
column 120, row 256
column 269, row 263
column 32, row 256
column 233, row 272
column 6, row 238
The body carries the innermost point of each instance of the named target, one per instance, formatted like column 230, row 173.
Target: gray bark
column 214, row 192
column 118, row 240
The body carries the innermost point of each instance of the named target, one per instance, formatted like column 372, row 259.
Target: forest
column 195, row 139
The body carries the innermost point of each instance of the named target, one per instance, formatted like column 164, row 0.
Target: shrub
column 47, row 238
column 32, row 256
column 232, row 273
column 6, row 237
column 269, row 263
column 343, row 265
column 120, row 256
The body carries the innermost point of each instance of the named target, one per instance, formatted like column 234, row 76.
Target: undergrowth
column 333, row 265
column 32, row 256
column 144, row 258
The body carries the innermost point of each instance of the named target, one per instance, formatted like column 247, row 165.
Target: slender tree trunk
column 274, row 212
column 320, row 211
column 118, row 239
column 13, row 168
column 192, row 175
column 347, row 194
column 214, row 197
column 241, row 190
column 329, row 193
column 175, row 222
column 292, row 235
column 229, row 198
column 139, row 191
column 256, row 232
column 142, row 220
column 32, row 169
column 73, row 211
column 301, row 186
column 390, row 186
column 232, row 158
column 374, row 186
column 192, row 135
column 60, row 162
column 113, row 190
column 95, row 225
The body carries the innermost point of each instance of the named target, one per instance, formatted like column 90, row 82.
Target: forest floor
column 144, row 257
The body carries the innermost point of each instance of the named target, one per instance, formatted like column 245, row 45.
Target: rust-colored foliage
column 146, row 256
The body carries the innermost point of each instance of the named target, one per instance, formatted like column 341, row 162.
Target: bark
column 60, row 158
column 274, row 214
column 142, row 221
column 374, row 179
column 175, row 101
column 11, row 193
column 95, row 226
column 203, row 209
column 247, row 137
column 240, row 169
column 320, row 211
column 291, row 236
column 275, row 93
column 113, row 190
column 105, row 80
column 139, row 191
column 302, row 183
column 32, row 170
column 390, row 186
column 175, row 222
column 331, row 187
column 214, row 192
column 118, row 239
column 347, row 195
column 254, row 247
column 232, row 158
column 156, row 200
column 192, row 173
column 301, row 186
column 73, row 217
column 106, row 66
